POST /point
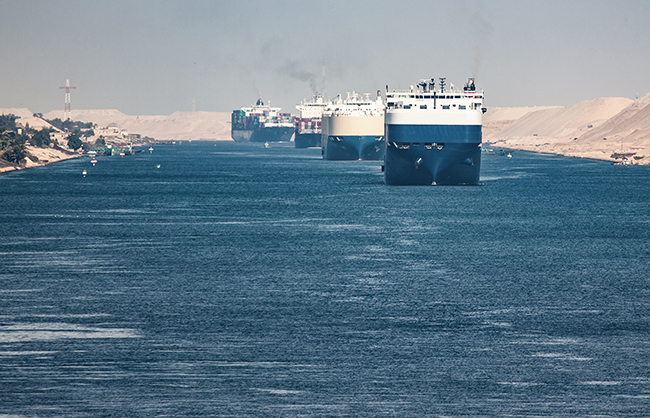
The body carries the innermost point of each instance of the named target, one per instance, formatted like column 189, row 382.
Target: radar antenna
column 442, row 84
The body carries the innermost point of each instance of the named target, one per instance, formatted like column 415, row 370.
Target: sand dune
column 20, row 112
column 630, row 126
column 177, row 126
column 499, row 118
column 565, row 122
column 602, row 128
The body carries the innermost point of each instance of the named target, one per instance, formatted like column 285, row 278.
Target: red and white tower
column 67, row 114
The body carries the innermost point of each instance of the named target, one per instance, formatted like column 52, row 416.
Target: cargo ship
column 308, row 123
column 261, row 123
column 433, row 135
column 353, row 129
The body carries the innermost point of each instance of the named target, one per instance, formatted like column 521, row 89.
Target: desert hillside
column 177, row 126
column 607, row 128
column 498, row 118
column 20, row 112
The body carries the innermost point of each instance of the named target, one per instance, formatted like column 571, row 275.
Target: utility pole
column 67, row 114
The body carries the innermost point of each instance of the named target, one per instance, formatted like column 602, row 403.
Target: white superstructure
column 425, row 105
column 356, row 105
column 313, row 108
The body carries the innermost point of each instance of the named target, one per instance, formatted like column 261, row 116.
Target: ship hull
column 353, row 137
column 354, row 148
column 272, row 134
column 307, row 140
column 241, row 135
column 432, row 154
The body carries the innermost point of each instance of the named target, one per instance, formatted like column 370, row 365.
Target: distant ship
column 490, row 151
column 308, row 123
column 261, row 123
column 433, row 136
column 353, row 129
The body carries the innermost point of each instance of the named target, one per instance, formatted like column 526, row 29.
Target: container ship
column 433, row 135
column 261, row 123
column 353, row 129
column 308, row 123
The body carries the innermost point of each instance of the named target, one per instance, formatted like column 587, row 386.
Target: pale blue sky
column 155, row 57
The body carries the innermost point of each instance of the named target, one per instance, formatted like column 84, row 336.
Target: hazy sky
column 156, row 57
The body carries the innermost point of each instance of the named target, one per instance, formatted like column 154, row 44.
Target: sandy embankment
column 45, row 156
column 599, row 128
column 179, row 126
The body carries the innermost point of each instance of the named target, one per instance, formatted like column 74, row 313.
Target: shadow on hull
column 437, row 164
column 307, row 140
column 354, row 148
column 274, row 134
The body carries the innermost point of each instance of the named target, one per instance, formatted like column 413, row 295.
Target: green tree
column 8, row 122
column 74, row 142
column 41, row 138
column 14, row 154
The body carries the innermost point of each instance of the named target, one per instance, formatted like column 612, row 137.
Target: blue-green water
column 239, row 281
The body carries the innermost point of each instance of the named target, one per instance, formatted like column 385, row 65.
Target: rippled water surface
column 239, row 281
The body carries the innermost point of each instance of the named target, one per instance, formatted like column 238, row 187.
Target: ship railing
column 447, row 91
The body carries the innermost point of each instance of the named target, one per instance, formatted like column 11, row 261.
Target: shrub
column 14, row 154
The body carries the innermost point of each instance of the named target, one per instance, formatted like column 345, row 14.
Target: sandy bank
column 45, row 156
column 606, row 128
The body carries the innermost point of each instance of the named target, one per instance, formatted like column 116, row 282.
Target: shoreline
column 50, row 155
column 567, row 150
column 46, row 156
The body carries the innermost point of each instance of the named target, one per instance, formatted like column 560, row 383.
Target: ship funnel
column 470, row 86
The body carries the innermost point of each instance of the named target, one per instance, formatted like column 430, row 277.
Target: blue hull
column 272, row 134
column 353, row 148
column 307, row 140
column 432, row 154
